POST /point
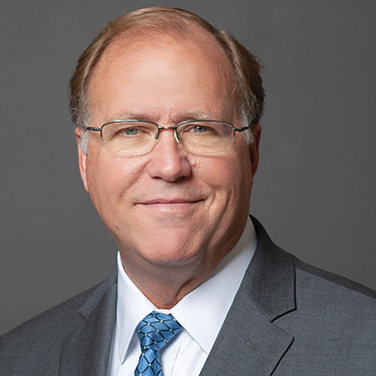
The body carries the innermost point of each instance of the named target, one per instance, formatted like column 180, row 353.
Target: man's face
column 167, row 207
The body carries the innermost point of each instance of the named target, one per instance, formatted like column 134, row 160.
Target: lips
column 176, row 206
column 164, row 201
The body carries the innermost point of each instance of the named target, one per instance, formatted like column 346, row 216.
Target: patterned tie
column 154, row 331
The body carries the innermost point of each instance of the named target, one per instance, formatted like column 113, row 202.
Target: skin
column 174, row 215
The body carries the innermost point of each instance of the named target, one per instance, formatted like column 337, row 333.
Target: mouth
column 173, row 205
column 173, row 201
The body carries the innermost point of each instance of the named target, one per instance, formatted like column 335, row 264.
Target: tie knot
column 156, row 329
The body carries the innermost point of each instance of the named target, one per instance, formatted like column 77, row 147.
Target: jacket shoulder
column 346, row 285
column 41, row 337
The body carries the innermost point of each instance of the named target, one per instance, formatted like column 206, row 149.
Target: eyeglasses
column 133, row 137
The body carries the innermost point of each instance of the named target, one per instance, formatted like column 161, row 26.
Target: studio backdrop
column 315, row 187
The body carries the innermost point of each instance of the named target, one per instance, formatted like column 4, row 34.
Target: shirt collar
column 202, row 311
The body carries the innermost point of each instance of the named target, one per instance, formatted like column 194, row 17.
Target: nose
column 168, row 159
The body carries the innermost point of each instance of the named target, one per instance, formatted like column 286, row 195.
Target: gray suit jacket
column 287, row 318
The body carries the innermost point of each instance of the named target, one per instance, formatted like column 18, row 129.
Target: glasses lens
column 129, row 137
column 206, row 137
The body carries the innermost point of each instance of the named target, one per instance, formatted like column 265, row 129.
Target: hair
column 177, row 22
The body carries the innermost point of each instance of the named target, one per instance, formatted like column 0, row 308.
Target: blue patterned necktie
column 154, row 331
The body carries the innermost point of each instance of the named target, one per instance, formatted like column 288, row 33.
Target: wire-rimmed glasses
column 132, row 137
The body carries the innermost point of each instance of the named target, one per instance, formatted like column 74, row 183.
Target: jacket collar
column 86, row 350
column 270, row 278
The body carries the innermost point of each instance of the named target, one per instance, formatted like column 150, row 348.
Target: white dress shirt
column 201, row 314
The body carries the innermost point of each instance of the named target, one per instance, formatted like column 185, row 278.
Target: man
column 167, row 112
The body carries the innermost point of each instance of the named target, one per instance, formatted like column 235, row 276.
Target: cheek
column 110, row 176
column 228, row 172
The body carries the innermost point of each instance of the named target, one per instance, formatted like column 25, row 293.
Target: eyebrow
column 130, row 116
column 204, row 115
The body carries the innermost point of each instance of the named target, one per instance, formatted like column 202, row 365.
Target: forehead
column 162, row 67
column 189, row 37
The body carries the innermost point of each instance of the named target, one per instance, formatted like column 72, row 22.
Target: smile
column 171, row 205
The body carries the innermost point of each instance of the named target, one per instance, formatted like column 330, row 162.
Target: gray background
column 315, row 188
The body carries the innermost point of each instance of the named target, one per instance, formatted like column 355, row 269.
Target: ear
column 82, row 158
column 254, row 147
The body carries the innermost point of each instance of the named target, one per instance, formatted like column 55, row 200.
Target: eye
column 133, row 131
column 199, row 129
column 130, row 131
column 208, row 129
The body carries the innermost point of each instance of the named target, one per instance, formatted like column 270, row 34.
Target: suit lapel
column 86, row 350
column 249, row 343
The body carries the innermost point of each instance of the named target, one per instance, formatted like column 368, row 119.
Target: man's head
column 174, row 214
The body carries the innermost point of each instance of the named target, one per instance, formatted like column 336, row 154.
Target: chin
column 178, row 256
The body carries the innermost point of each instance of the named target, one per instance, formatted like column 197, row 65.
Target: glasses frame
column 175, row 129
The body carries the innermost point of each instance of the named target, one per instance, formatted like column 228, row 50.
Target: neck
column 165, row 286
